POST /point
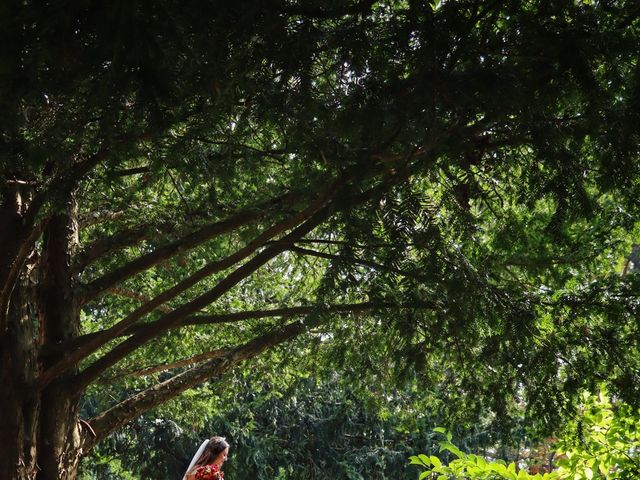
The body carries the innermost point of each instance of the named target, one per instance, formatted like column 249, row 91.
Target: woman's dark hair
column 214, row 448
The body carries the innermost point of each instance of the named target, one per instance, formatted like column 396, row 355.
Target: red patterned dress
column 209, row 472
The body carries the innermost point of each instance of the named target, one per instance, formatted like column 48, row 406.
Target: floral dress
column 209, row 472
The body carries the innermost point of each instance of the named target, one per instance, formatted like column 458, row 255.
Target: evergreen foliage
column 432, row 192
column 309, row 430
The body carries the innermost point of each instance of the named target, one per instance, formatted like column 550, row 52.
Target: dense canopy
column 439, row 192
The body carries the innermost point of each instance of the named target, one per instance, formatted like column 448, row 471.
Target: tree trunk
column 59, row 437
column 39, row 430
column 19, row 414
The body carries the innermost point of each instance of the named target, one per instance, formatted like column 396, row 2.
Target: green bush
column 601, row 443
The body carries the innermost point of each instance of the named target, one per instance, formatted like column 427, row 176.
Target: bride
column 206, row 464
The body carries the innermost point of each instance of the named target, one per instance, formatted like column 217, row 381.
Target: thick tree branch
column 281, row 312
column 271, row 152
column 285, row 312
column 323, row 241
column 163, row 367
column 214, row 267
column 122, row 413
column 256, row 314
column 226, row 284
column 104, row 246
column 187, row 242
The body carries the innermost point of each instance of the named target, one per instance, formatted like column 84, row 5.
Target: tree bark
column 20, row 409
column 59, row 439
column 20, row 412
column 39, row 430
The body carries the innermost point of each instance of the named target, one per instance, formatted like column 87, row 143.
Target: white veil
column 196, row 457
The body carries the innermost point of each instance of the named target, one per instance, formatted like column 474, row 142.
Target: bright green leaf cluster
column 470, row 466
column 602, row 443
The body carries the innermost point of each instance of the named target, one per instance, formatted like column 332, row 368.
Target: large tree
column 445, row 185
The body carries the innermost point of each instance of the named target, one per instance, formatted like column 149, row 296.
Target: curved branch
column 104, row 246
column 285, row 312
column 270, row 153
column 163, row 367
column 255, row 314
column 122, row 413
column 360, row 246
column 226, row 284
column 93, row 344
column 98, row 286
